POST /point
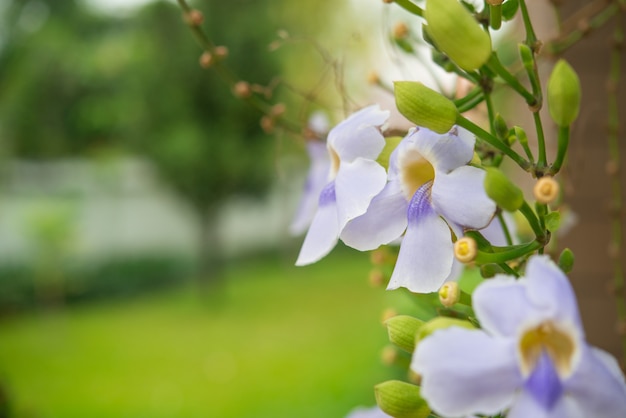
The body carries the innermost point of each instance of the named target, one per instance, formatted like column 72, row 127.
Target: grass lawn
column 272, row 341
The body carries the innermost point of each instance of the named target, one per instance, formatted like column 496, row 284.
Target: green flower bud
column 401, row 400
column 502, row 191
column 424, row 106
column 440, row 322
column 563, row 94
column 566, row 260
column 456, row 33
column 402, row 330
column 490, row 270
column 501, row 129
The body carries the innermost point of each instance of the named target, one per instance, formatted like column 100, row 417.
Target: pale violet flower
column 430, row 191
column 353, row 179
column 373, row 412
column 530, row 359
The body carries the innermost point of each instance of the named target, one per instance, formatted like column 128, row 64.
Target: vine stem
column 613, row 169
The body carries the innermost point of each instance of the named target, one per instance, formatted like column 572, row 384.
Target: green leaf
column 553, row 221
column 509, row 9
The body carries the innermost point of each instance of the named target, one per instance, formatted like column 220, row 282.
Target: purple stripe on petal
column 544, row 384
column 420, row 205
column 328, row 194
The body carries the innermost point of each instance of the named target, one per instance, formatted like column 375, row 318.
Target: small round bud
column 195, row 18
column 457, row 34
column 376, row 278
column 206, row 60
column 221, row 52
column 465, row 250
column 242, row 89
column 267, row 124
column 450, row 293
column 388, row 1
column 400, row 30
column 566, row 260
column 563, row 94
column 278, row 109
column 388, row 314
column 378, row 257
column 546, row 190
column 424, row 106
column 373, row 78
column 612, row 168
column 389, row 355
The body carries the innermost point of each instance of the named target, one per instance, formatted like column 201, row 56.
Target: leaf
column 553, row 221
column 509, row 9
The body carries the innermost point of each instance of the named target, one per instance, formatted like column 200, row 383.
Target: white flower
column 373, row 412
column 354, row 178
column 430, row 191
column 530, row 357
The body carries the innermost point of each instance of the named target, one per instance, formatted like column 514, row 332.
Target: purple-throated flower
column 353, row 180
column 530, row 358
column 430, row 192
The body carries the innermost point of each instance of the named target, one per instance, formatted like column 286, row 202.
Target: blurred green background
column 145, row 269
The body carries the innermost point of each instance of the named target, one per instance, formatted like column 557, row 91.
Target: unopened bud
column 490, row 270
column 566, row 260
column 456, row 33
column 563, row 94
column 206, row 60
column 400, row 30
column 242, row 89
column 388, row 1
column 195, row 18
column 500, row 124
column 465, row 250
column 424, row 106
column 450, row 293
column 400, row 399
column 402, row 330
column 373, row 78
column 389, row 355
column 376, row 278
column 546, row 190
column 388, row 314
column 502, row 191
column 267, row 124
column 278, row 109
column 221, row 52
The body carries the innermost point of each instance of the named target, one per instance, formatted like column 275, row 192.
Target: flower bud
column 456, row 33
column 402, row 330
column 440, row 322
column 490, row 270
column 563, row 94
column 221, row 51
column 376, row 278
column 242, row 89
column 546, row 190
column 267, row 124
column 566, row 260
column 501, row 129
column 502, row 191
column 401, row 399
column 400, row 30
column 465, row 250
column 424, row 106
column 206, row 60
column 194, row 18
column 450, row 293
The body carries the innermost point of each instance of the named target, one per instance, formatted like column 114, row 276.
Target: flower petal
column 447, row 151
column 373, row 412
column 597, row 386
column 356, row 185
column 550, row 290
column 502, row 306
column 525, row 406
column 384, row 221
column 359, row 135
column 316, row 180
column 324, row 231
column 465, row 371
column 460, row 197
column 426, row 253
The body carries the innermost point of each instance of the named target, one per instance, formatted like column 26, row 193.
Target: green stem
column 563, row 143
column 533, row 221
column 531, row 38
column 507, row 255
column 410, row 7
column 541, row 142
column 475, row 92
column 470, row 104
column 493, row 141
column 505, row 229
column 495, row 16
column 496, row 66
column 491, row 114
column 508, row 270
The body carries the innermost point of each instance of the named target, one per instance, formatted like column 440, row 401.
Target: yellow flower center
column 465, row 249
column 335, row 162
column 559, row 344
column 415, row 171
